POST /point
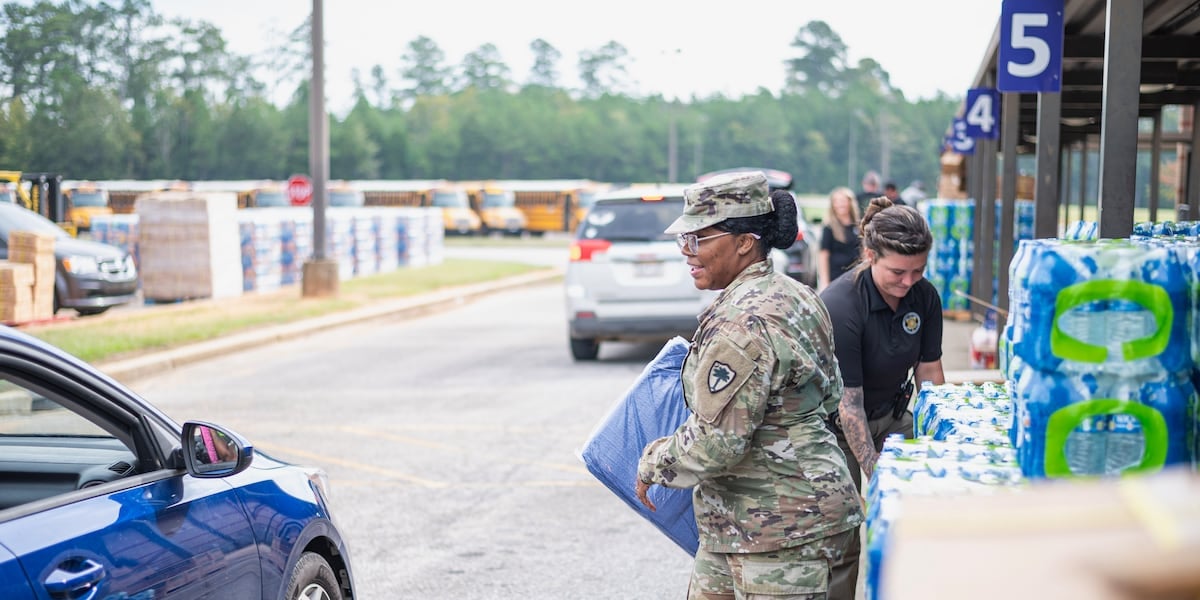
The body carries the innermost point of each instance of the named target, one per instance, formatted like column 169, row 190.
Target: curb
column 146, row 365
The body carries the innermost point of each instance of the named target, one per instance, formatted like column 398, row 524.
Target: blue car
column 102, row 496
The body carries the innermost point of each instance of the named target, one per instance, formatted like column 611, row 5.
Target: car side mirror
column 210, row 451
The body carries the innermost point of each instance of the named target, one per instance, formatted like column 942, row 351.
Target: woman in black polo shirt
column 887, row 326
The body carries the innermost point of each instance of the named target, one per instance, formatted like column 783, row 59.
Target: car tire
column 584, row 348
column 313, row 579
column 87, row 312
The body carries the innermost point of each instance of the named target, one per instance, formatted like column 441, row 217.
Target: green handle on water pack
column 1151, row 297
column 1066, row 419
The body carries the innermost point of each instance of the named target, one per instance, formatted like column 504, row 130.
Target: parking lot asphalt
column 956, row 339
column 131, row 369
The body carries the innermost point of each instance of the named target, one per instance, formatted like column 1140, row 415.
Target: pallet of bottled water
column 925, row 466
column 974, row 413
column 1100, row 351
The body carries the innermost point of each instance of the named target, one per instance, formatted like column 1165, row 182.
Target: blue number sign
column 983, row 113
column 958, row 139
column 1031, row 46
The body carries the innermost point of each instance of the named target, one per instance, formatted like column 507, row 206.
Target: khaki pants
column 797, row 573
column 844, row 580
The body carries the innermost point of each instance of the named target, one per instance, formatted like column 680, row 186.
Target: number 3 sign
column 1031, row 46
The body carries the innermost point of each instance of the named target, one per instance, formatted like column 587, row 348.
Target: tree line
column 112, row 90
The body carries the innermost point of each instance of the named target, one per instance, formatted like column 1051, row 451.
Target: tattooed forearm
column 854, row 425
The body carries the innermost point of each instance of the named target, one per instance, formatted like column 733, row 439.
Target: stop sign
column 299, row 190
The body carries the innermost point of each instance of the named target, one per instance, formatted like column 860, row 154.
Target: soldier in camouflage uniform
column 774, row 501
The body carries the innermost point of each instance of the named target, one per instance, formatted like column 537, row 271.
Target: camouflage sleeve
column 730, row 393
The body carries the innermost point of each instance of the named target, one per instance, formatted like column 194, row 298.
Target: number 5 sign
column 1031, row 46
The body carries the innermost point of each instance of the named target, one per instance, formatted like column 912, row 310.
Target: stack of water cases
column 1100, row 351
column 295, row 241
column 962, row 448
column 339, row 242
column 365, row 243
column 120, row 230
column 388, row 241
column 1022, row 230
column 261, row 231
column 949, row 265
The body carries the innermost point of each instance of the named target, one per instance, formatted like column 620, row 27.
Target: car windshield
column 450, row 199
column 633, row 220
column 92, row 198
column 586, row 199
column 14, row 218
column 270, row 198
column 498, row 199
column 345, row 198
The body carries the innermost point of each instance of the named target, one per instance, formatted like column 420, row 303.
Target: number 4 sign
column 983, row 113
column 1031, row 46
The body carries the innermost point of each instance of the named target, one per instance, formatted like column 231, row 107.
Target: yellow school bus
column 85, row 199
column 587, row 196
column 457, row 216
column 548, row 204
column 123, row 193
column 342, row 194
column 495, row 203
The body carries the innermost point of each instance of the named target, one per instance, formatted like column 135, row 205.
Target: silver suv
column 626, row 279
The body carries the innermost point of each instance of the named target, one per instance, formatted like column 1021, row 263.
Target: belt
column 881, row 411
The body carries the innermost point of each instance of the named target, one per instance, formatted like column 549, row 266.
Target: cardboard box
column 16, row 292
column 15, row 274
column 1117, row 539
column 29, row 243
column 189, row 246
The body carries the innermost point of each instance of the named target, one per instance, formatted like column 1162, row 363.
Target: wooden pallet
column 956, row 315
column 34, row 322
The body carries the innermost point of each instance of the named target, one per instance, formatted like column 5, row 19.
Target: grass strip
column 122, row 333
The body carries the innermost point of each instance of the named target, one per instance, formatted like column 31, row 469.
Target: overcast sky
column 677, row 48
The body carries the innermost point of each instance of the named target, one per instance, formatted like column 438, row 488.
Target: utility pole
column 320, row 277
column 672, row 146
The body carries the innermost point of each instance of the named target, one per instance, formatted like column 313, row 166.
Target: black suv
column 90, row 277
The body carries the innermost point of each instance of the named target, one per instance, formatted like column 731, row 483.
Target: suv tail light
column 582, row 250
column 799, row 235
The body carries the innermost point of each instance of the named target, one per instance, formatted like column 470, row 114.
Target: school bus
column 495, row 203
column 266, row 194
column 548, row 204
column 123, row 193
column 342, row 194
column 85, row 199
column 587, row 197
column 457, row 216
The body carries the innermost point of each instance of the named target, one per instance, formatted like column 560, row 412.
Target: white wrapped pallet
column 339, row 241
column 262, row 249
column 365, row 240
column 389, row 240
column 188, row 245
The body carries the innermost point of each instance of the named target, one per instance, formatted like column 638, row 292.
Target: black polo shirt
column 875, row 345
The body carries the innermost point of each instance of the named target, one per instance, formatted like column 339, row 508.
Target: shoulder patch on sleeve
column 725, row 368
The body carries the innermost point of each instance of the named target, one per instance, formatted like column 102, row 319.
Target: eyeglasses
column 691, row 243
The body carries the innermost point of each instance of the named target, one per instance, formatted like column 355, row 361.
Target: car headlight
column 81, row 265
column 130, row 266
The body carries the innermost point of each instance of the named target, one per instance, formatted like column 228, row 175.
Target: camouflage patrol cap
column 726, row 196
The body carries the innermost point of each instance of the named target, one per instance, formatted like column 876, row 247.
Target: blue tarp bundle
column 652, row 408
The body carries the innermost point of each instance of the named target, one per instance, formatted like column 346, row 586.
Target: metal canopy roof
column 1170, row 65
column 1093, row 74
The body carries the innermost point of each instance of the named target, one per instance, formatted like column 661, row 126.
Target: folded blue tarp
column 652, row 408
